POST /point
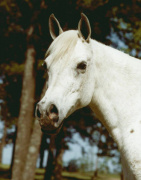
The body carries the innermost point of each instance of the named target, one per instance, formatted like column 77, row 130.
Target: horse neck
column 117, row 102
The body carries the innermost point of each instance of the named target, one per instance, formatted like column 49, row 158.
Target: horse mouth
column 52, row 131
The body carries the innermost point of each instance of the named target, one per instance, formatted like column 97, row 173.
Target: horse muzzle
column 48, row 119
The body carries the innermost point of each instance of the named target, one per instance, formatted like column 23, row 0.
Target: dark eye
column 44, row 65
column 82, row 66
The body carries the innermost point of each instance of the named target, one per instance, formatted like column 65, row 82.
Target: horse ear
column 84, row 28
column 54, row 27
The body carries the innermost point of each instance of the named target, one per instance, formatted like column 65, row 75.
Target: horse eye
column 44, row 65
column 82, row 66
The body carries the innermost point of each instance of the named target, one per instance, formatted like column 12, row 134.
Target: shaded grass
column 88, row 176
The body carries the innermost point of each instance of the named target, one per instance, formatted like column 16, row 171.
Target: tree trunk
column 2, row 143
column 59, row 145
column 41, row 157
column 33, row 151
column 13, row 150
column 50, row 161
column 57, row 173
column 96, row 170
column 121, row 176
column 24, row 125
column 30, row 166
column 42, row 150
column 54, row 164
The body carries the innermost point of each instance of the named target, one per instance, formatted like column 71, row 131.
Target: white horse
column 85, row 72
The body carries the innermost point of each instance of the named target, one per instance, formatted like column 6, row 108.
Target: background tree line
column 24, row 40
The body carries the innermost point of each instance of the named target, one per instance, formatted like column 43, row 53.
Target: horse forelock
column 63, row 45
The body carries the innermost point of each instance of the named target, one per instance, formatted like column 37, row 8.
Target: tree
column 26, row 112
column 61, row 146
column 55, row 157
column 27, row 30
column 43, row 147
column 50, row 161
column 2, row 141
column 33, row 149
column 73, row 166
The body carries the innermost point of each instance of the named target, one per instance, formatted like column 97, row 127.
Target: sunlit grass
column 39, row 177
column 4, row 166
column 40, row 171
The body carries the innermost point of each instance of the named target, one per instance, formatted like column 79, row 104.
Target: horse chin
column 52, row 132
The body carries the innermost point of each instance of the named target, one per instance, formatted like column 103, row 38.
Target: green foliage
column 12, row 69
column 126, row 23
column 137, row 34
column 9, row 5
column 92, row 4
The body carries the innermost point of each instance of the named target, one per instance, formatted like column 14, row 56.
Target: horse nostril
column 53, row 109
column 38, row 113
column 53, row 113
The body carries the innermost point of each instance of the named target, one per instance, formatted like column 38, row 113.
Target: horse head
column 70, row 79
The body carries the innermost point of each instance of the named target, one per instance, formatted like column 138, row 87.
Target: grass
column 88, row 176
column 4, row 166
column 76, row 175
column 65, row 175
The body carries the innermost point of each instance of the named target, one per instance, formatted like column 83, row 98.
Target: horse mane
column 63, row 45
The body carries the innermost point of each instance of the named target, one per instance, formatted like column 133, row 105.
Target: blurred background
column 83, row 149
